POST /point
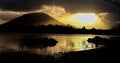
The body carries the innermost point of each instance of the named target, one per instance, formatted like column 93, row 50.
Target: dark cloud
column 22, row 5
column 113, row 17
column 88, row 5
column 69, row 5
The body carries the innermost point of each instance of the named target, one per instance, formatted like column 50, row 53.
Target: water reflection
column 66, row 43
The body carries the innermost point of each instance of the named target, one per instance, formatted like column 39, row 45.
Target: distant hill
column 32, row 19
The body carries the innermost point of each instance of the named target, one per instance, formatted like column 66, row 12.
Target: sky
column 10, row 9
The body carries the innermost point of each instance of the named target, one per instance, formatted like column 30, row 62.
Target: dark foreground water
column 65, row 42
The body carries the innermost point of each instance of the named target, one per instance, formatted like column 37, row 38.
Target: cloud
column 114, row 19
column 69, row 5
column 22, row 5
column 2, row 21
column 88, row 6
column 59, row 8
column 54, row 11
column 8, row 15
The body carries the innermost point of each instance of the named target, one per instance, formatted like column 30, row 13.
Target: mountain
column 32, row 19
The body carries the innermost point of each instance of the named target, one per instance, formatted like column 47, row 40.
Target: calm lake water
column 66, row 42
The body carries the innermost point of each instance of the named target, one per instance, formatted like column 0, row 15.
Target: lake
column 65, row 42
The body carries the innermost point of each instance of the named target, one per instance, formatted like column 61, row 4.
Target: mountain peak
column 33, row 19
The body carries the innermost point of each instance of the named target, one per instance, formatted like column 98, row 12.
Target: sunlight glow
column 84, row 18
column 79, row 20
column 87, row 20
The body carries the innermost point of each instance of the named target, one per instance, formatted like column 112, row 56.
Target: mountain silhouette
column 32, row 19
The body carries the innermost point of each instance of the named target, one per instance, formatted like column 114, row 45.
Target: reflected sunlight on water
column 66, row 43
